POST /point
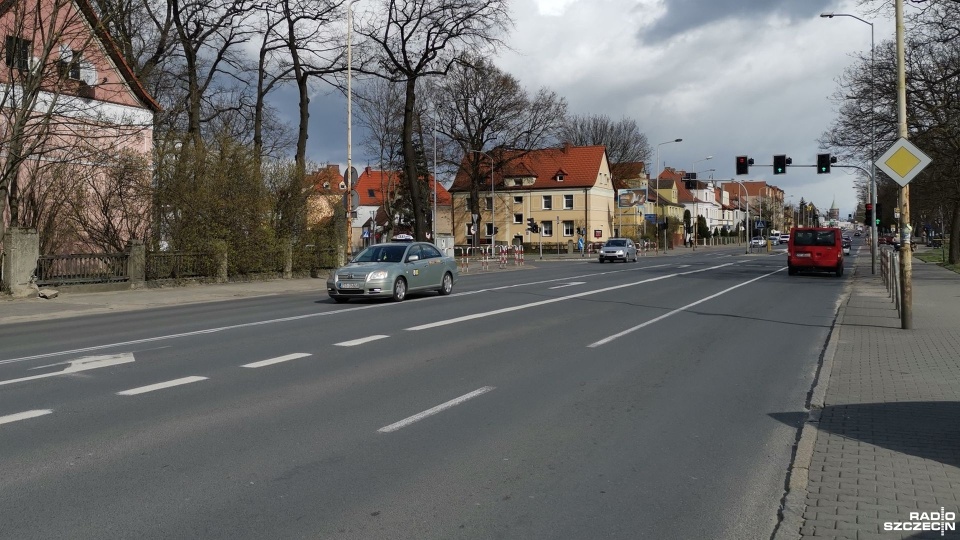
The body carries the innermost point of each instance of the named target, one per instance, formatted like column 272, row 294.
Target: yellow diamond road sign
column 903, row 161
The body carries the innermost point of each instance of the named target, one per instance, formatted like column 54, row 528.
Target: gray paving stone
column 888, row 441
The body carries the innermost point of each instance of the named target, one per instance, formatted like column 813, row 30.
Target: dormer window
column 370, row 193
column 343, row 185
column 559, row 177
column 326, row 185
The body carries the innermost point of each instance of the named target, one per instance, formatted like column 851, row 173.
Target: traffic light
column 867, row 214
column 879, row 213
column 531, row 225
column 823, row 163
column 743, row 165
column 780, row 164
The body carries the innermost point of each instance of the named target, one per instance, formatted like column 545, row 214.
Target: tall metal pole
column 433, row 233
column 646, row 192
column 906, row 257
column 696, row 218
column 873, row 143
column 349, row 173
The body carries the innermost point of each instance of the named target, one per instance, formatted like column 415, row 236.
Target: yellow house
column 568, row 192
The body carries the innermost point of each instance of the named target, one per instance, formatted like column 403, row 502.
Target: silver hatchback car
column 392, row 270
column 619, row 249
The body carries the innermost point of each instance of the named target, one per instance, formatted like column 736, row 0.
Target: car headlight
column 377, row 275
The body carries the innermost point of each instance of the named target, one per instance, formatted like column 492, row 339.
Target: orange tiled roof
column 579, row 164
column 371, row 185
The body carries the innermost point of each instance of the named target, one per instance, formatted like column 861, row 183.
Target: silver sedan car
column 618, row 249
column 392, row 270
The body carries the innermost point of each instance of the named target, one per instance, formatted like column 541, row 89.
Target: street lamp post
column 696, row 218
column 349, row 175
column 433, row 221
column 746, row 221
column 657, row 180
column 493, row 203
column 873, row 142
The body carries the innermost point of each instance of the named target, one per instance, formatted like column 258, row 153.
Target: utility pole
column 906, row 257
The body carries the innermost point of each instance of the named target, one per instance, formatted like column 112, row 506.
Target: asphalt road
column 564, row 400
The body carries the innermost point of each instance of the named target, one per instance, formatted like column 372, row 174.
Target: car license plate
column 349, row 285
column 803, row 254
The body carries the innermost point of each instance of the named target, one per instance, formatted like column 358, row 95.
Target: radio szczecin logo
column 925, row 521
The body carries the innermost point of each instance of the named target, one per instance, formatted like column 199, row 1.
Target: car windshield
column 387, row 253
column 616, row 243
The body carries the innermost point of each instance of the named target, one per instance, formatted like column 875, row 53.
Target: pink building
column 76, row 129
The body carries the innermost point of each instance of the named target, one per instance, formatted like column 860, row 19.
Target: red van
column 815, row 248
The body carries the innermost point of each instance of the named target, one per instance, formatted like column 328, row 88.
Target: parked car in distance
column 784, row 238
column 815, row 249
column 757, row 241
column 847, row 244
column 618, row 249
column 392, row 270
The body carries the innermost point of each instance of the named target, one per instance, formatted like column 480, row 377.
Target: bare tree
column 623, row 139
column 413, row 40
column 477, row 105
column 380, row 107
column 46, row 116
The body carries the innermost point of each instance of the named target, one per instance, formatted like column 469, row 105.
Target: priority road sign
column 903, row 161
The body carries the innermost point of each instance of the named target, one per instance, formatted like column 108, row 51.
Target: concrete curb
column 794, row 504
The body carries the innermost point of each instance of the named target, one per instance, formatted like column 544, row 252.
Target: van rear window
column 815, row 238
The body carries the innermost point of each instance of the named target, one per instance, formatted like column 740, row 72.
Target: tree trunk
column 410, row 161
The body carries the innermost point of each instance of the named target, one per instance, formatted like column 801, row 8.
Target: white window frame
column 518, row 199
column 568, row 199
column 488, row 201
column 488, row 229
column 518, row 218
column 567, row 228
column 546, row 228
column 546, row 202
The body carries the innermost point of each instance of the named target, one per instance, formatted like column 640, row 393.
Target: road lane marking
column 81, row 364
column 277, row 360
column 26, row 415
column 361, row 341
column 554, row 300
column 161, row 386
column 571, row 284
column 439, row 408
column 606, row 340
column 581, row 276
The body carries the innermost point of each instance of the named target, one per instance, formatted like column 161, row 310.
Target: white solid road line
column 160, row 386
column 361, row 341
column 24, row 415
column 554, row 300
column 277, row 360
column 606, row 340
column 430, row 412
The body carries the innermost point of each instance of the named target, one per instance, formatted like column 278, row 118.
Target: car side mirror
column 413, row 258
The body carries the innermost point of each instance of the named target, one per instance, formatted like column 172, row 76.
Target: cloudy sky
column 729, row 77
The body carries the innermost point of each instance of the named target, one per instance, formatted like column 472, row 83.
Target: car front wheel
column 399, row 290
column 446, row 284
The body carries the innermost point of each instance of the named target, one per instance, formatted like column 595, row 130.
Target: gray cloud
column 686, row 15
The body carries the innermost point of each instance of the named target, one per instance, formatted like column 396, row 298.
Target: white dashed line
column 277, row 360
column 160, row 386
column 361, row 341
column 26, row 415
column 430, row 412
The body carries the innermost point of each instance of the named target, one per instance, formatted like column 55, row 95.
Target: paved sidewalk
column 887, row 439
